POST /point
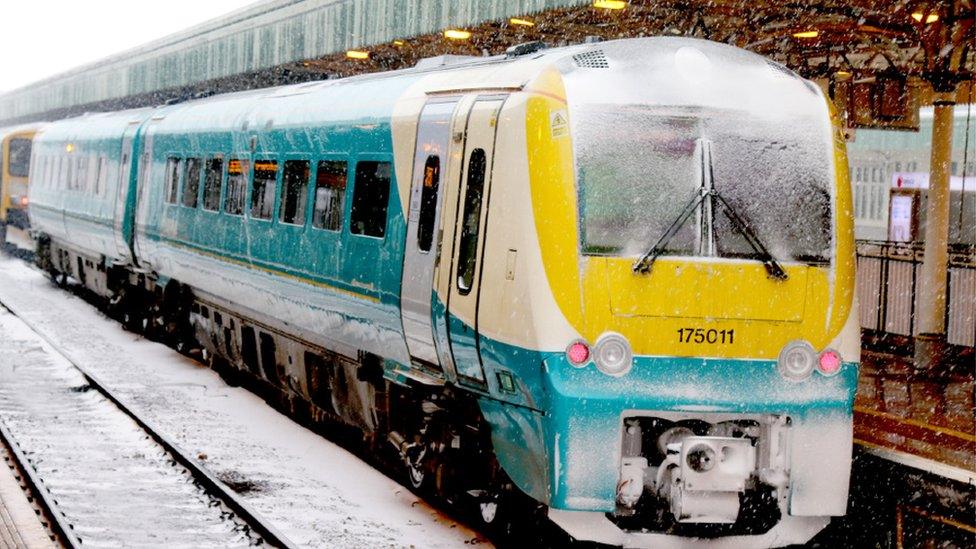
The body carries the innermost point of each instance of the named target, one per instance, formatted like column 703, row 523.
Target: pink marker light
column 829, row 363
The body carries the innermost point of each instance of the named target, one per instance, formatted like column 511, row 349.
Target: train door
column 423, row 243
column 468, row 239
column 122, row 243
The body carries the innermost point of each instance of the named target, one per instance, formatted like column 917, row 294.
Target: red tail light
column 829, row 363
column 578, row 353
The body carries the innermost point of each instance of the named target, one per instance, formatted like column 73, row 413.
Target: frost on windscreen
column 639, row 124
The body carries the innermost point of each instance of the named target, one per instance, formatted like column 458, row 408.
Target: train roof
column 370, row 98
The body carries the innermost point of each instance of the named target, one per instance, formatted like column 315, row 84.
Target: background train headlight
column 612, row 354
column 797, row 360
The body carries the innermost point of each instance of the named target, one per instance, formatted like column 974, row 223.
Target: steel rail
column 57, row 523
column 200, row 474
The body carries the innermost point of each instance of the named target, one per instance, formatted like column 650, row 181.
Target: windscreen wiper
column 773, row 268
column 708, row 192
column 646, row 261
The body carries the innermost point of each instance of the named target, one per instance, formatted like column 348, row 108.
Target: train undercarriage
column 433, row 437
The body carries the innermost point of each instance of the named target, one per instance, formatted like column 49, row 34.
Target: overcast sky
column 40, row 38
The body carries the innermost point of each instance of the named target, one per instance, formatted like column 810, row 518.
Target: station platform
column 920, row 422
column 20, row 525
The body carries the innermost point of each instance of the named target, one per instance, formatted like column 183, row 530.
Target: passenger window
column 81, row 173
column 103, row 185
column 263, row 191
column 211, row 184
column 294, row 199
column 99, row 166
column 471, row 222
column 71, row 173
column 330, row 188
column 172, row 179
column 428, row 203
column 369, row 199
column 236, row 186
column 191, row 183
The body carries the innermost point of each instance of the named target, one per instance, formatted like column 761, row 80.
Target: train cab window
column 172, row 179
column 370, row 197
column 294, row 199
column 211, row 183
column 467, row 253
column 330, row 188
column 428, row 203
column 19, row 153
column 191, row 183
column 236, row 186
column 263, row 191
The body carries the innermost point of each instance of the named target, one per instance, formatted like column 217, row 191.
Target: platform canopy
column 886, row 52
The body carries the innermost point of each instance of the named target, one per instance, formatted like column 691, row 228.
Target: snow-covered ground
column 314, row 492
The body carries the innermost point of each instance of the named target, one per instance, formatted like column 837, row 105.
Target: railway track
column 102, row 474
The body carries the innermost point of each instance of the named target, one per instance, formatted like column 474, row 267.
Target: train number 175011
column 710, row 336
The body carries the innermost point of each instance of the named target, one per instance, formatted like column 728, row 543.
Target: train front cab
column 707, row 390
column 15, row 148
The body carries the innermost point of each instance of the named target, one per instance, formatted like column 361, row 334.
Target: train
column 15, row 157
column 609, row 283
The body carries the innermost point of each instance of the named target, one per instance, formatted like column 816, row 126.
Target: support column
column 930, row 344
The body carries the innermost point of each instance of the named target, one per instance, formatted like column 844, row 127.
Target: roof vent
column 525, row 48
column 594, row 59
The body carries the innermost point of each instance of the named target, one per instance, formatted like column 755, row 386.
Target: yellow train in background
column 15, row 154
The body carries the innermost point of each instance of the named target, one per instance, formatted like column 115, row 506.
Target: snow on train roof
column 370, row 98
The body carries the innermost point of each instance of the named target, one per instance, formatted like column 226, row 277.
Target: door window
column 428, row 203
column 471, row 222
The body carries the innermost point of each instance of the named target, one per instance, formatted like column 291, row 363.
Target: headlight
column 612, row 354
column 797, row 360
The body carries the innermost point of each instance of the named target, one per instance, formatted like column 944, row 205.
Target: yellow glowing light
column 807, row 34
column 398, row 42
column 931, row 18
column 457, row 34
column 69, row 147
column 918, row 16
column 522, row 22
column 843, row 74
column 357, row 54
column 610, row 4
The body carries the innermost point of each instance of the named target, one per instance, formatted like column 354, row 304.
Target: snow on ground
column 316, row 493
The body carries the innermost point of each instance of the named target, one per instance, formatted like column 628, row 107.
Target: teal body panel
column 332, row 287
column 74, row 192
column 565, row 450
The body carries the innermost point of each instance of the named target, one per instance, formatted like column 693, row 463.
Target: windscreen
column 639, row 167
column 661, row 123
column 20, row 153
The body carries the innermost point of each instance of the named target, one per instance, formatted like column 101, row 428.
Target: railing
column 888, row 275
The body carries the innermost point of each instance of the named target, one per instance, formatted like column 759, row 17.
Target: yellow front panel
column 694, row 288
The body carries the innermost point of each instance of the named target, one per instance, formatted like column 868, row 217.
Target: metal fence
column 888, row 275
